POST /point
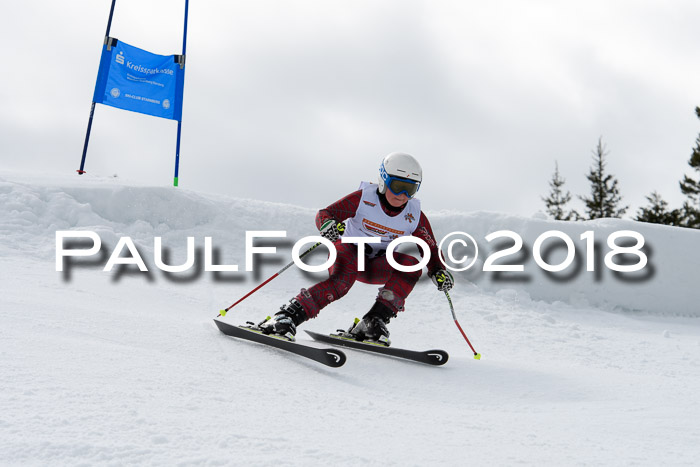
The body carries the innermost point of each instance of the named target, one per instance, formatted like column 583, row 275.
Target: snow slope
column 126, row 367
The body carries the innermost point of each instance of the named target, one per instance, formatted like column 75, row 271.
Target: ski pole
column 224, row 311
column 477, row 356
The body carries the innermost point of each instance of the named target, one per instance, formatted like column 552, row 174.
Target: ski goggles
column 400, row 186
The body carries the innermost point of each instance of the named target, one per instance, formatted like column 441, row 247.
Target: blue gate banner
column 133, row 79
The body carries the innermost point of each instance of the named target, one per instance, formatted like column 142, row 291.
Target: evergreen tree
column 658, row 213
column 605, row 195
column 690, row 216
column 691, row 188
column 557, row 199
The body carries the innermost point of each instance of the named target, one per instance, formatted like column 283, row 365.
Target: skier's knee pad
column 390, row 299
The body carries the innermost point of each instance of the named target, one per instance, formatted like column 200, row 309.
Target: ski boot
column 372, row 326
column 285, row 321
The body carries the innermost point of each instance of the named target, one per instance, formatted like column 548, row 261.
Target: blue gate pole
column 179, row 122
column 92, row 108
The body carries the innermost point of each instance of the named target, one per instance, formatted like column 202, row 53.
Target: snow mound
column 666, row 285
column 31, row 214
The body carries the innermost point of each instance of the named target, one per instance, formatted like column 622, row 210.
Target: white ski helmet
column 401, row 173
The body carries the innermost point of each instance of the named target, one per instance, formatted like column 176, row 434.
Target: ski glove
column 443, row 280
column 332, row 230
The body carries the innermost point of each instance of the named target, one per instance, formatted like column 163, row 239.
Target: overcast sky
column 298, row 101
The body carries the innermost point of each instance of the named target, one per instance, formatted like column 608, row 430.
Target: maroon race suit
column 397, row 285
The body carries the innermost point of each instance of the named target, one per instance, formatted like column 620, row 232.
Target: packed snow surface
column 127, row 367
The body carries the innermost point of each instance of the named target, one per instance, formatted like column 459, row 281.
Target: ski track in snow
column 110, row 368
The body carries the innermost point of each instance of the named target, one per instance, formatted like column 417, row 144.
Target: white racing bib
column 370, row 220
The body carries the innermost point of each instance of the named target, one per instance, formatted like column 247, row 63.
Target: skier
column 387, row 210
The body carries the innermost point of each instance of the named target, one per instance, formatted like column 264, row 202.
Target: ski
column 331, row 357
column 430, row 357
